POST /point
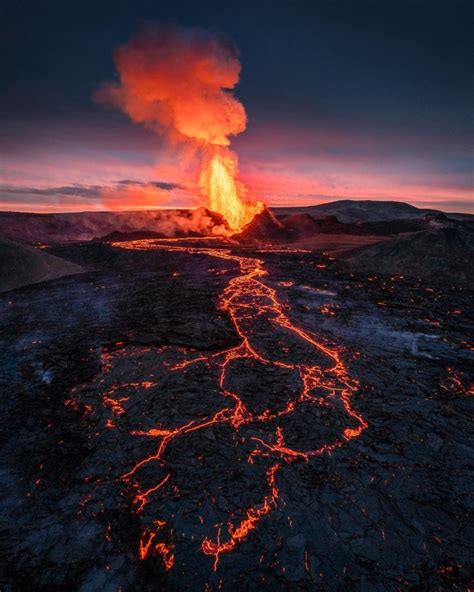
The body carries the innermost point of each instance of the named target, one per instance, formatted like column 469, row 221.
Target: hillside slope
column 349, row 210
column 21, row 265
column 439, row 255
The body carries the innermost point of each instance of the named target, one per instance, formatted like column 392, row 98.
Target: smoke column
column 179, row 83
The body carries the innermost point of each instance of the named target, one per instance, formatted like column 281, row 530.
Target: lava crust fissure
column 297, row 369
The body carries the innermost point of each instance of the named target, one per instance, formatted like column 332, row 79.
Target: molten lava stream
column 248, row 300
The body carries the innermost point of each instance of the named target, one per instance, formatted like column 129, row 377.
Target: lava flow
column 321, row 379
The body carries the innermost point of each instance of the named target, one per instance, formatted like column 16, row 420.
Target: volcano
column 264, row 227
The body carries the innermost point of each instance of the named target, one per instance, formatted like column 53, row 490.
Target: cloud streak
column 124, row 194
column 157, row 184
column 75, row 190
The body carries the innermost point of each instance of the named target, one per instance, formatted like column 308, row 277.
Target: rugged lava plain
column 167, row 428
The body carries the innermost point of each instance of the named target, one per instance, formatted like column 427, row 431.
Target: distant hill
column 349, row 210
column 339, row 217
column 21, row 265
column 444, row 254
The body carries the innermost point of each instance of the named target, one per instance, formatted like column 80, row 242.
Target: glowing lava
column 224, row 193
column 249, row 302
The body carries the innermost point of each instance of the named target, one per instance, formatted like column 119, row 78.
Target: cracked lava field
column 252, row 306
column 207, row 417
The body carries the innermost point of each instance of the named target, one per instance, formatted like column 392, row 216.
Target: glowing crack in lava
column 323, row 381
column 179, row 83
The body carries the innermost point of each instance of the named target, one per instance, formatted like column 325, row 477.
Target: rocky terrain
column 21, row 265
column 438, row 255
column 199, row 415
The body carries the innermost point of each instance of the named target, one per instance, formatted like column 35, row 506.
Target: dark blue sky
column 340, row 93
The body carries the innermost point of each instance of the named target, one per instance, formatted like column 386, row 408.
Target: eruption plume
column 179, row 83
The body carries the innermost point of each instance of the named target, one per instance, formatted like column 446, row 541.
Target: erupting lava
column 178, row 82
column 321, row 381
column 218, row 183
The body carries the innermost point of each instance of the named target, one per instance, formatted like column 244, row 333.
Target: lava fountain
column 218, row 183
column 179, row 82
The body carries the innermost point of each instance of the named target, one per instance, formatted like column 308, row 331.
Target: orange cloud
column 176, row 81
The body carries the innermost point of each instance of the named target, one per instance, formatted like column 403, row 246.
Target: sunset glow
column 281, row 165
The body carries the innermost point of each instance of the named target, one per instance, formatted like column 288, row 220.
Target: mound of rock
column 264, row 228
column 444, row 254
column 21, row 265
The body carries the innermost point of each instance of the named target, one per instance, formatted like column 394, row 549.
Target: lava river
column 305, row 375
